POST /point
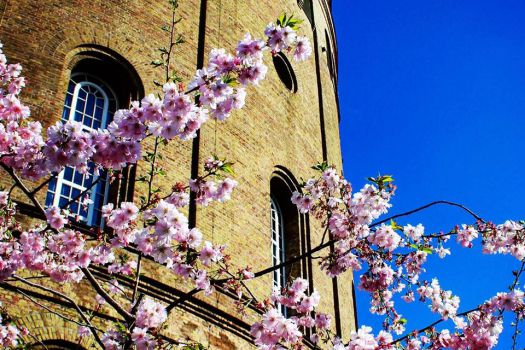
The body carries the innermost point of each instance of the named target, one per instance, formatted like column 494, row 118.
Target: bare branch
column 127, row 316
column 65, row 297
column 23, row 187
column 425, row 207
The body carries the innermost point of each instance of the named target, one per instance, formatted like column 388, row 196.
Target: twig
column 23, row 187
column 43, row 184
column 430, row 326
column 63, row 296
column 428, row 206
column 127, row 316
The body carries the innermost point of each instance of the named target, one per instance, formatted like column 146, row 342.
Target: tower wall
column 278, row 130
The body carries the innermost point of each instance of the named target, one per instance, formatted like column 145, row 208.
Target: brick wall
column 276, row 128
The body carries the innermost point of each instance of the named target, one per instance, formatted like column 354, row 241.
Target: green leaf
column 320, row 166
column 228, row 168
column 281, row 19
column 386, row 178
column 157, row 63
column 394, row 225
column 426, row 250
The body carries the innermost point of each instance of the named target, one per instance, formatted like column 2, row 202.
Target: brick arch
column 52, row 329
column 66, row 44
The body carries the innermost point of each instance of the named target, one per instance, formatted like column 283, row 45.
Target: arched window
column 306, row 5
column 98, row 86
column 91, row 102
column 289, row 229
column 330, row 57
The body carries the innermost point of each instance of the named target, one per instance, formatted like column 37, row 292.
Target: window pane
column 65, row 113
column 75, row 193
column 78, row 178
column 68, row 173
column 80, row 105
column 66, row 190
column 82, row 94
column 90, row 105
column 50, row 196
column 73, row 208
column 62, row 202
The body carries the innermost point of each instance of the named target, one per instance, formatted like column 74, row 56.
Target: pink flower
column 303, row 50
column 322, row 321
column 465, row 235
column 55, row 218
column 83, row 331
column 150, row 314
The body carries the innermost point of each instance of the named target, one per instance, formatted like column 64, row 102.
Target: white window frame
column 60, row 182
column 278, row 243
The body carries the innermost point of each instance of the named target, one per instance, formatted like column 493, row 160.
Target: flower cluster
column 274, row 330
column 20, row 139
column 507, row 238
column 10, row 334
column 442, row 302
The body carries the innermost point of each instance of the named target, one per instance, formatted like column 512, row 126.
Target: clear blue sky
column 433, row 92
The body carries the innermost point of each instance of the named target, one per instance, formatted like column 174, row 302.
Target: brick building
column 289, row 123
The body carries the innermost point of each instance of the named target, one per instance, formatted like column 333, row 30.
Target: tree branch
column 63, row 296
column 23, row 187
column 127, row 316
column 428, row 206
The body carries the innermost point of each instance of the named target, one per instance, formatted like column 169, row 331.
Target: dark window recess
column 285, row 71
column 289, row 228
column 56, row 345
column 329, row 56
column 306, row 6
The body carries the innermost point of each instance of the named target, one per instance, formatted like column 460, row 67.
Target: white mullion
column 58, row 188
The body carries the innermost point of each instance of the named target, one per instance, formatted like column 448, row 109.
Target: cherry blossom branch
column 433, row 324
column 23, row 187
column 65, row 297
column 172, row 32
column 31, row 299
column 190, row 294
column 425, row 207
column 43, row 184
column 127, row 316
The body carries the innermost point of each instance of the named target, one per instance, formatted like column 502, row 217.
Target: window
column 285, row 71
column 289, row 230
column 330, row 57
column 278, row 248
column 91, row 102
column 306, row 5
column 100, row 83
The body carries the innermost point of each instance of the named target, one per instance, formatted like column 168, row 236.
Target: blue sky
column 433, row 92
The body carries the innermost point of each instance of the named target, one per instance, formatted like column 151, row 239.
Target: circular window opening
column 285, row 71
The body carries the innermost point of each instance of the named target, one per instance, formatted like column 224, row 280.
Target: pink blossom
column 150, row 314
column 55, row 218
